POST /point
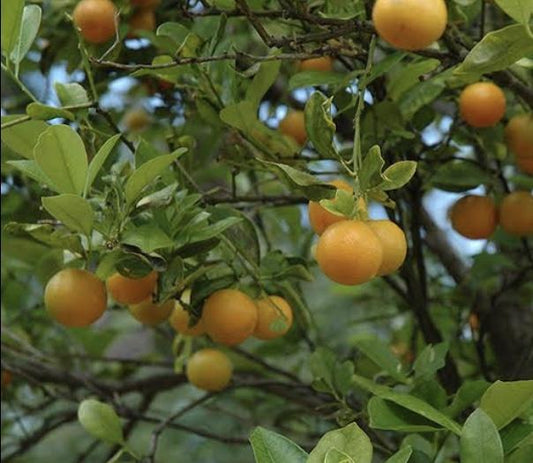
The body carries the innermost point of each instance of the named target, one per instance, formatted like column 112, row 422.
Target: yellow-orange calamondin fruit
column 209, row 369
column 274, row 317
column 392, row 239
column 474, row 216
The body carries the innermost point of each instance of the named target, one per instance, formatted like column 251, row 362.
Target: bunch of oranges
column 352, row 252
column 476, row 217
column 77, row 298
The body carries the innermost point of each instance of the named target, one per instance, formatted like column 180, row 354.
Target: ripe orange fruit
column 410, row 24
column 393, row 242
column 145, row 3
column 474, row 217
column 142, row 20
column 75, row 297
column 7, row 377
column 525, row 164
column 136, row 119
column 209, row 369
column 179, row 318
column 274, row 317
column 349, row 252
column 151, row 314
column 516, row 213
column 482, row 104
column 519, row 135
column 126, row 290
column 293, row 125
column 229, row 316
column 324, row 63
column 319, row 217
column 96, row 20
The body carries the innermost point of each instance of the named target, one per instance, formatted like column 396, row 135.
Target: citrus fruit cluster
column 476, row 217
column 77, row 298
column 352, row 252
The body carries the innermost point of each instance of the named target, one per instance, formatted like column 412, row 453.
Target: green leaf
column 319, row 124
column 22, row 138
column 44, row 233
column 72, row 211
column 344, row 203
column 271, row 447
column 71, row 94
column 480, row 441
column 370, row 175
column 516, row 434
column 430, row 360
column 303, row 182
column 11, row 22
column 32, row 170
column 147, row 172
column 99, row 160
column 43, row 112
column 458, row 176
column 392, row 417
column 340, row 9
column 379, row 352
column 504, row 401
column 336, row 456
column 100, row 421
column 496, row 51
column 148, row 237
column 420, row 95
column 351, row 440
column 409, row 402
column 31, row 20
column 409, row 76
column 329, row 374
column 384, row 66
column 316, row 78
column 61, row 155
column 519, row 10
column 401, row 456
column 262, row 81
column 521, row 455
column 398, row 175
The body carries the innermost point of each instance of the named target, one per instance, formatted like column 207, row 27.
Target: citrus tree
column 281, row 230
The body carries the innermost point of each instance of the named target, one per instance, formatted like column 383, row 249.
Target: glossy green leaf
column 480, row 441
column 330, row 375
column 319, row 124
column 148, row 237
column 32, row 170
column 43, row 112
column 73, row 211
column 409, row 76
column 504, row 401
column 11, row 22
column 98, row 161
column 60, row 153
column 519, row 10
column 31, row 20
column 337, row 456
column 401, row 456
column 516, row 434
column 430, row 360
column 496, row 51
column 262, row 81
column 398, row 175
column 422, row 94
column 350, row 440
column 458, row 176
column 271, row 447
column 340, row 9
column 370, row 175
column 22, row 138
column 100, row 421
column 468, row 393
column 71, row 94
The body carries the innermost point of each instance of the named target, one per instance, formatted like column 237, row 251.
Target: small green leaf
column 340, row 9
column 100, row 421
column 22, row 138
column 147, row 172
column 401, row 456
column 262, row 81
column 72, row 211
column 468, row 393
column 370, row 175
column 409, row 76
column 496, row 51
column 43, row 112
column 11, row 23
column 344, row 204
column 480, row 441
column 458, row 176
column 99, row 160
column 336, row 456
column 329, row 374
column 148, row 237
column 351, row 440
column 516, row 434
column 519, row 10
column 504, row 401
column 319, row 124
column 71, row 94
column 32, row 170
column 271, row 447
column 60, row 153
column 430, row 360
column 31, row 20
column 398, row 175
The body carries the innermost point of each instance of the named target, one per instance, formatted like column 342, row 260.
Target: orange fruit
column 482, row 104
column 96, row 20
column 519, row 135
column 410, row 24
column 229, row 316
column 272, row 311
column 7, row 377
column 324, row 63
column 75, row 297
column 136, row 119
column 293, row 125
column 149, row 313
column 126, row 290
column 525, row 164
column 180, row 318
column 209, row 369
column 349, row 252
column 473, row 321
column 474, row 217
column 393, row 242
column 142, row 20
column 516, row 213
column 319, row 217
